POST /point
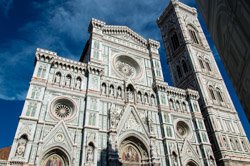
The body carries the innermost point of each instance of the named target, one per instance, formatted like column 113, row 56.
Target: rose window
column 127, row 67
column 182, row 129
column 63, row 108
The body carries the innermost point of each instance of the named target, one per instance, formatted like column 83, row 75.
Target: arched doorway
column 55, row 157
column 191, row 163
column 133, row 152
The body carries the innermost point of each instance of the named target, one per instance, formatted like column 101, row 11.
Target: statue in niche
column 111, row 91
column 130, row 94
column 150, row 125
column 22, row 142
column 146, row 98
column 152, row 100
column 174, row 159
column 68, row 80
column 57, row 78
column 104, row 88
column 119, row 92
column 78, row 83
column 139, row 97
column 90, row 154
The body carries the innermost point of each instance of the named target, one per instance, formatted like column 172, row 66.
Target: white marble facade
column 110, row 108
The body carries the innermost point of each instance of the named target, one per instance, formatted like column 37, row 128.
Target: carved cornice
column 192, row 94
column 45, row 55
column 95, row 69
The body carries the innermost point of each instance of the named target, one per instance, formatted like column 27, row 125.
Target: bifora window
column 193, row 36
column 175, row 41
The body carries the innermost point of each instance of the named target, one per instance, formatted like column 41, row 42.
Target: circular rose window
column 127, row 67
column 182, row 129
column 62, row 108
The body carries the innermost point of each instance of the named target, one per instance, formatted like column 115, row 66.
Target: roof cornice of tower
column 173, row 4
column 119, row 30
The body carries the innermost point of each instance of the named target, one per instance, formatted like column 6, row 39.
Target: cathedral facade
column 114, row 108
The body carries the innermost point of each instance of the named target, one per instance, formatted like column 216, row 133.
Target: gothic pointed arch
column 55, row 157
column 132, row 151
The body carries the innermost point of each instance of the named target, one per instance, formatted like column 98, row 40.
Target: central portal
column 133, row 152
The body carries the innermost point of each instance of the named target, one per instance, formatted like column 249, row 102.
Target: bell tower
column 193, row 66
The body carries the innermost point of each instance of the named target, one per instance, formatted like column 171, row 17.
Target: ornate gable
column 59, row 137
column 131, row 121
column 188, row 153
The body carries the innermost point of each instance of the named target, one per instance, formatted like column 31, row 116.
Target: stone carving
column 119, row 92
column 125, row 69
column 78, row 83
column 111, row 90
column 130, row 94
column 68, row 81
column 57, row 78
column 174, row 159
column 59, row 137
column 114, row 115
column 22, row 142
column 91, row 137
column 150, row 125
column 90, row 154
column 104, row 88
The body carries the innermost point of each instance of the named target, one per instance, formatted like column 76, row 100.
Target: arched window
column 193, row 36
column 219, row 95
column 208, row 66
column 175, row 41
column 201, row 64
column 211, row 91
column 184, row 65
column 179, row 71
column 41, row 71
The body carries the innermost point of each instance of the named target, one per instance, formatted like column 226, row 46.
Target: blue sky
column 61, row 26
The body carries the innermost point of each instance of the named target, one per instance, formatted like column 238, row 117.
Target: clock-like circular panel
column 127, row 67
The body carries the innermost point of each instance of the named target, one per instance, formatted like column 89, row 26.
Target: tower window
column 208, row 66
column 201, row 64
column 211, row 92
column 179, row 71
column 175, row 41
column 193, row 36
column 219, row 95
column 184, row 65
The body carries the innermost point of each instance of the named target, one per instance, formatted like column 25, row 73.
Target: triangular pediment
column 188, row 153
column 58, row 136
column 125, row 34
column 131, row 121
